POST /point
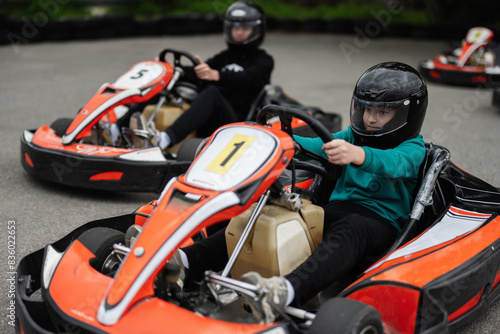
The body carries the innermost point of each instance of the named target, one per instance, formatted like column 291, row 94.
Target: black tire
column 60, row 125
column 496, row 97
column 190, row 149
column 346, row 316
column 100, row 241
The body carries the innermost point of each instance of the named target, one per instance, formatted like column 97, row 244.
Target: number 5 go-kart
column 79, row 152
column 442, row 270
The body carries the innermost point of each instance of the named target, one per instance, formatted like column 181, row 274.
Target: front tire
column 60, row 125
column 346, row 316
column 100, row 241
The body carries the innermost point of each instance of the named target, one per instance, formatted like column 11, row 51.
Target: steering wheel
column 331, row 172
column 189, row 88
column 178, row 56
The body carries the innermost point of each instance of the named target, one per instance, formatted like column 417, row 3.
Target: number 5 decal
column 139, row 74
column 230, row 154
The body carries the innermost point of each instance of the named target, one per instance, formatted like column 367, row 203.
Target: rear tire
column 60, row 125
column 346, row 316
column 100, row 241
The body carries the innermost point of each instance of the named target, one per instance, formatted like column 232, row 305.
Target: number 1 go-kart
column 79, row 152
column 474, row 63
column 113, row 275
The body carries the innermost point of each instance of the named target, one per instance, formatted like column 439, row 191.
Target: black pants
column 350, row 232
column 209, row 111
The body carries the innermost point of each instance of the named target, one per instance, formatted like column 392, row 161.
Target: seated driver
column 233, row 78
column 381, row 153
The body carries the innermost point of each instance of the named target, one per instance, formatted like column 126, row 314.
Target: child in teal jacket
column 388, row 173
column 381, row 153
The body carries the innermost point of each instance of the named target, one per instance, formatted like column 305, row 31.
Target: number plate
column 140, row 75
column 235, row 154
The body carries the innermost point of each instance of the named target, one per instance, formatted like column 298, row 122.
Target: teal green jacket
column 384, row 183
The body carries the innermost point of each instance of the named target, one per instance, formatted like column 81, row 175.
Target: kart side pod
column 280, row 240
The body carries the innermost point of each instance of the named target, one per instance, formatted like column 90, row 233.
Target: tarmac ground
column 41, row 82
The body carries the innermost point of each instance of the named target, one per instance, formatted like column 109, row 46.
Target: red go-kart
column 473, row 63
column 113, row 275
column 79, row 152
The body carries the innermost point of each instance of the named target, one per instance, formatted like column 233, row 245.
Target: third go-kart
column 78, row 152
column 473, row 63
column 441, row 272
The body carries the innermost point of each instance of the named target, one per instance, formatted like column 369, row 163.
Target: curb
column 22, row 30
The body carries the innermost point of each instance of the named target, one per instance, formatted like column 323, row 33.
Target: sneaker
column 274, row 301
column 110, row 132
column 164, row 140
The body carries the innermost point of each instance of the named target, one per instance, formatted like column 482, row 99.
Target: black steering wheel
column 178, row 55
column 330, row 172
column 191, row 85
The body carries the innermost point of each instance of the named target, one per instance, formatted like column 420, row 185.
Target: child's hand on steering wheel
column 205, row 72
column 340, row 152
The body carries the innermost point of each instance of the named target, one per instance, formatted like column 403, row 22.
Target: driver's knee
column 210, row 91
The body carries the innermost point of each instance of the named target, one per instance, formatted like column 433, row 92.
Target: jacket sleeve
column 215, row 62
column 402, row 161
column 315, row 144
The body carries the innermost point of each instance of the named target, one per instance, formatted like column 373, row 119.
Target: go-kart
column 79, row 152
column 473, row 63
column 114, row 276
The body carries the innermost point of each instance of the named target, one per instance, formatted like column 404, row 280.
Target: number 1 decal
column 230, row 154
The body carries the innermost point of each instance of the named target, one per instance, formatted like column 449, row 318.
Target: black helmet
column 245, row 14
column 388, row 89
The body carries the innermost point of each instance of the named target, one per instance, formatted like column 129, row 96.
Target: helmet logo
column 238, row 13
column 372, row 94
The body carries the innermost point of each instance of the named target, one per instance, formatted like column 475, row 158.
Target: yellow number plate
column 230, row 154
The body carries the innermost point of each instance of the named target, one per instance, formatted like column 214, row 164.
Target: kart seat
column 429, row 198
column 272, row 94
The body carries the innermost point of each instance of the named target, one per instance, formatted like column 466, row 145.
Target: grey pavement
column 45, row 81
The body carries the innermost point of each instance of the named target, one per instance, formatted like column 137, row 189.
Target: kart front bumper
column 456, row 76
column 34, row 312
column 82, row 171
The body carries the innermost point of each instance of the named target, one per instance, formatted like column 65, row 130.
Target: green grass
column 273, row 8
column 36, row 10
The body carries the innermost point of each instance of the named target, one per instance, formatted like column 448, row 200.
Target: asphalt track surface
column 45, row 81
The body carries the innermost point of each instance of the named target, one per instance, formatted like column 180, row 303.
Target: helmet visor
column 371, row 118
column 242, row 32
